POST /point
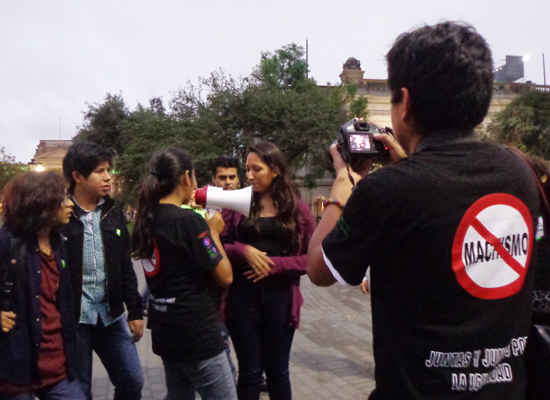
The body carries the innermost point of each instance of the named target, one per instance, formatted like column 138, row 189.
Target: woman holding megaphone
column 268, row 251
column 179, row 250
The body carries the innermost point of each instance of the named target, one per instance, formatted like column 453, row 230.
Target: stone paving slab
column 331, row 355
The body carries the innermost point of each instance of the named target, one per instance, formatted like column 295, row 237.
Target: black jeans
column 262, row 337
column 537, row 363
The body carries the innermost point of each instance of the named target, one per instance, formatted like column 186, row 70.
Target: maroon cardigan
column 293, row 266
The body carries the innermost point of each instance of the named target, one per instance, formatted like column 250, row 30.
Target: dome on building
column 352, row 63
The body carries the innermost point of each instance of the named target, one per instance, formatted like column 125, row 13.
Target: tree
column 276, row 103
column 282, row 69
column 9, row 168
column 224, row 115
column 103, row 123
column 144, row 132
column 302, row 121
column 525, row 124
column 210, row 116
column 357, row 105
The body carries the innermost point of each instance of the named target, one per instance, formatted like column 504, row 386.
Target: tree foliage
column 103, row 123
column 284, row 68
column 224, row 115
column 357, row 104
column 9, row 168
column 525, row 124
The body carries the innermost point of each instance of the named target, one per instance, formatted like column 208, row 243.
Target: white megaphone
column 212, row 197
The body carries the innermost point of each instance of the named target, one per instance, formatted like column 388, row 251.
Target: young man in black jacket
column 102, row 273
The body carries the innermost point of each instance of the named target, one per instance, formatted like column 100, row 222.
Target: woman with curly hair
column 268, row 252
column 38, row 338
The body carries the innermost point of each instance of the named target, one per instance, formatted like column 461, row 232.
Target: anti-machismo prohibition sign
column 493, row 246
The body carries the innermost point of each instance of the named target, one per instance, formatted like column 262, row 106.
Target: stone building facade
column 49, row 155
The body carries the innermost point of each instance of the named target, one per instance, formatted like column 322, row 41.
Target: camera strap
column 351, row 177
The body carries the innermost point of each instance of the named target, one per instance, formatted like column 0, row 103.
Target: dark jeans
column 116, row 349
column 537, row 363
column 64, row 390
column 262, row 337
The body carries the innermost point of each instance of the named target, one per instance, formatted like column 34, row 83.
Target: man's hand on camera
column 341, row 189
column 396, row 151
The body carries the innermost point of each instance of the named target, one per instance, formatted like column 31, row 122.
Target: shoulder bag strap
column 542, row 195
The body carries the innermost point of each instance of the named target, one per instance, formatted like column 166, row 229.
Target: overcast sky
column 56, row 56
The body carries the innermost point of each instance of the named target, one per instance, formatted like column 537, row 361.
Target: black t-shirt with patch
column 431, row 334
column 182, row 315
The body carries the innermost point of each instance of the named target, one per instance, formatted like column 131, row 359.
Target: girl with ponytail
column 269, row 253
column 179, row 249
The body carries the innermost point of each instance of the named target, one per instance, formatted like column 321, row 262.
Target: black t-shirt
column 448, row 234
column 182, row 315
column 266, row 236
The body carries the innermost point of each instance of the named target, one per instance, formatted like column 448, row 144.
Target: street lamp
column 34, row 166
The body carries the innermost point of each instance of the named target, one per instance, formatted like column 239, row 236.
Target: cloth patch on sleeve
column 343, row 227
column 210, row 246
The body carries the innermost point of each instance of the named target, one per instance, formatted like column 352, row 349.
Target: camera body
column 356, row 142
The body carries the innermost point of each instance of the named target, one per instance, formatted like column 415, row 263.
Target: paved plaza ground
column 331, row 356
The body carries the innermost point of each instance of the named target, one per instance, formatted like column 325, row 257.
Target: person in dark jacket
column 102, row 273
column 537, row 352
column 38, row 336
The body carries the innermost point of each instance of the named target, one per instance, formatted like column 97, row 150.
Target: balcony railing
column 381, row 85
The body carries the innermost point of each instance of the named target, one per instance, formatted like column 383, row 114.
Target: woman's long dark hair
column 540, row 165
column 166, row 167
column 32, row 201
column 282, row 194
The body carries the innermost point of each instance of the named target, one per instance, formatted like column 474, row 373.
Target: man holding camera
column 447, row 231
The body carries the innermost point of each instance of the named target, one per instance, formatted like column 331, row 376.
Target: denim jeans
column 226, row 342
column 116, row 349
column 262, row 337
column 211, row 378
column 63, row 390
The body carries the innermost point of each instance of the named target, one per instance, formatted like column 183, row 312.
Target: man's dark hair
column 225, row 162
column 32, row 201
column 448, row 70
column 83, row 158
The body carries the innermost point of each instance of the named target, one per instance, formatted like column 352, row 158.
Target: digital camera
column 356, row 142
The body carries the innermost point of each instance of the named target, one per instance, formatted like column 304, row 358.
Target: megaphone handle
column 212, row 211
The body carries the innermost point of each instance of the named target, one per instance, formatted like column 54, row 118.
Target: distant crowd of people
column 449, row 239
